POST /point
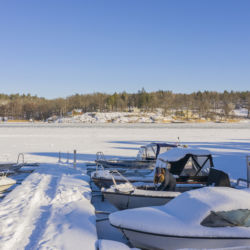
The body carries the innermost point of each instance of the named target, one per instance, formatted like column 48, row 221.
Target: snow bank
column 243, row 112
column 185, row 214
column 129, row 117
column 51, row 209
column 114, row 117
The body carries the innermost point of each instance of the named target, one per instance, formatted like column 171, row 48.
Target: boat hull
column 162, row 242
column 148, row 164
column 125, row 201
column 4, row 187
column 9, row 167
column 104, row 182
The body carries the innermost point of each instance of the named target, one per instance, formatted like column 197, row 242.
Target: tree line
column 206, row 104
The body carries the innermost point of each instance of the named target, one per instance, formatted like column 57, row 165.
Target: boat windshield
column 196, row 166
column 232, row 218
column 151, row 151
column 141, row 154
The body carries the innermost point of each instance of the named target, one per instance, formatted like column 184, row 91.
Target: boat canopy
column 178, row 153
column 186, row 161
column 152, row 150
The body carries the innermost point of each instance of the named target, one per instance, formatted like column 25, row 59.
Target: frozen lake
column 52, row 207
column 41, row 142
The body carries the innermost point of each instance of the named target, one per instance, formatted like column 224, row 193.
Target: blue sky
column 55, row 48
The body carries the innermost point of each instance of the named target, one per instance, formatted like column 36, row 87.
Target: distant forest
column 205, row 104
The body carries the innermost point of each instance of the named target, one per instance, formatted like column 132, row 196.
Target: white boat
column 5, row 183
column 210, row 217
column 7, row 167
column 105, row 178
column 193, row 168
column 145, row 159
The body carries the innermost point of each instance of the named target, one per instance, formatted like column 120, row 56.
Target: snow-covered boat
column 10, row 167
column 193, row 168
column 105, row 178
column 210, row 217
column 146, row 157
column 6, row 182
column 6, row 167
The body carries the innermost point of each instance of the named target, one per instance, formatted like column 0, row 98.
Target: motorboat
column 210, row 217
column 145, row 159
column 192, row 168
column 106, row 177
column 103, row 177
column 6, row 182
column 10, row 167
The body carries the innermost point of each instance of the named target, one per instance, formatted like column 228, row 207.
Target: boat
column 10, row 167
column 145, row 159
column 105, row 177
column 192, row 168
column 6, row 182
column 210, row 217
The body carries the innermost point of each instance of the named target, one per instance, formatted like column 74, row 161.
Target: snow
column 243, row 112
column 176, row 154
column 112, row 117
column 124, row 188
column 40, row 213
column 130, row 117
column 142, row 176
column 185, row 219
column 129, row 188
column 44, row 211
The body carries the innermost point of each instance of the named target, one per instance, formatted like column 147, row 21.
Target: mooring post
column 59, row 156
column 248, row 170
column 68, row 157
column 74, row 158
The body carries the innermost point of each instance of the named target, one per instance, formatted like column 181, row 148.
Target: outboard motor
column 218, row 178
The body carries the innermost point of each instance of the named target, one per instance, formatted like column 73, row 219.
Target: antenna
column 178, row 141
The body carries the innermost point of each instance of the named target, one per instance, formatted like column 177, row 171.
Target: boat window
column 205, row 163
column 232, row 218
column 164, row 149
column 151, row 151
column 190, row 168
column 141, row 154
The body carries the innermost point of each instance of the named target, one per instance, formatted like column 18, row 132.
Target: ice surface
column 25, row 212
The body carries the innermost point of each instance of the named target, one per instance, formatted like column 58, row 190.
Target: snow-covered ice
column 51, row 209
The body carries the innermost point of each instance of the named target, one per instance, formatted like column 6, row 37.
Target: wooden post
column 59, row 157
column 74, row 158
column 248, row 170
column 68, row 157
